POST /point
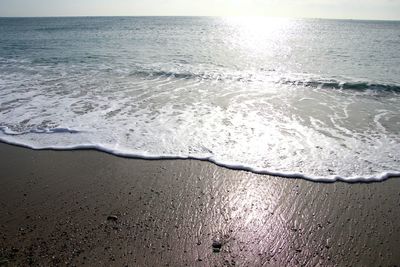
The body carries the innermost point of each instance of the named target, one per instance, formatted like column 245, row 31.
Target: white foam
column 230, row 165
column 260, row 125
column 8, row 131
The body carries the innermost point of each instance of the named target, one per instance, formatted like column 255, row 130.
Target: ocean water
column 315, row 99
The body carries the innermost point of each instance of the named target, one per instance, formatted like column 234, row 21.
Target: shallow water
column 317, row 99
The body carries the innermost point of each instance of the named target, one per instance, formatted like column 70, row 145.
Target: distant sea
column 307, row 98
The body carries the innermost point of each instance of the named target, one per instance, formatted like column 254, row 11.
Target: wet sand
column 91, row 208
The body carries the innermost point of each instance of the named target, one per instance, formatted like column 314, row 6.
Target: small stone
column 217, row 244
column 112, row 218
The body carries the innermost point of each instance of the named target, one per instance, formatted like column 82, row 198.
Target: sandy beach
column 80, row 208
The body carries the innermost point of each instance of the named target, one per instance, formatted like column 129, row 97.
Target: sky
column 342, row 9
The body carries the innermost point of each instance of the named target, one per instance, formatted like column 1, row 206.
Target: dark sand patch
column 91, row 208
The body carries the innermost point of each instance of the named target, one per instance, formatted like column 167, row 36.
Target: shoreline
column 234, row 166
column 85, row 207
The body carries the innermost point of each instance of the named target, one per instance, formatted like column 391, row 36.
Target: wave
column 221, row 74
column 355, row 86
column 264, row 75
column 214, row 76
column 8, row 134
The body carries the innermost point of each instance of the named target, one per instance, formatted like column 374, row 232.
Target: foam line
column 8, row 131
column 229, row 165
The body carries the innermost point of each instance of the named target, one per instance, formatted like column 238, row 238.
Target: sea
column 300, row 98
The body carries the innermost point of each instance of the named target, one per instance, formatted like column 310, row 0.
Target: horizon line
column 204, row 16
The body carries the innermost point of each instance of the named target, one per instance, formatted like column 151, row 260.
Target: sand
column 90, row 208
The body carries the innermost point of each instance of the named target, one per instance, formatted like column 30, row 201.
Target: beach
column 88, row 208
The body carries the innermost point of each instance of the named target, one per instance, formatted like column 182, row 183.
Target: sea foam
column 229, row 165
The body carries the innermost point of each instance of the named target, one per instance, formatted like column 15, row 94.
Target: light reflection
column 260, row 36
column 258, row 212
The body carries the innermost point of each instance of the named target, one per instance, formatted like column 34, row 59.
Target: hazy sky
column 355, row 9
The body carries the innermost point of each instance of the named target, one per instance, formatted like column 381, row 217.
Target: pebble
column 216, row 245
column 112, row 218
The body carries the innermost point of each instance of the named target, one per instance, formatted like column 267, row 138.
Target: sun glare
column 259, row 35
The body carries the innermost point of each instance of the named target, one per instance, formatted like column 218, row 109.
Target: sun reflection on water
column 260, row 36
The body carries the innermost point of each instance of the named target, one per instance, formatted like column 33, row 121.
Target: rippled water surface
column 313, row 98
